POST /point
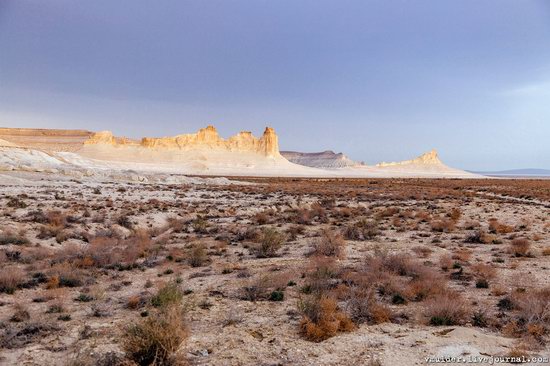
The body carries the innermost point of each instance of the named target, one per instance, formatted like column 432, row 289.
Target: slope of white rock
column 23, row 166
column 104, row 156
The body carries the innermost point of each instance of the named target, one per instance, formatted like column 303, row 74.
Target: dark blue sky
column 378, row 80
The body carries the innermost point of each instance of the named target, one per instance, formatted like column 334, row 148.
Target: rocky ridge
column 205, row 138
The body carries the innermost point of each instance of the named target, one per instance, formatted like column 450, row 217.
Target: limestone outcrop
column 102, row 137
column 206, row 138
column 429, row 158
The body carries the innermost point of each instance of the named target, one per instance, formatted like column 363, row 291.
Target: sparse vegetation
column 321, row 318
column 520, row 247
column 269, row 242
column 330, row 244
column 137, row 260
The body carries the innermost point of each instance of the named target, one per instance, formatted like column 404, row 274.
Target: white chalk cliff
column 205, row 139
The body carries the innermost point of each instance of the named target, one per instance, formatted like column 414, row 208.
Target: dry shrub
column 322, row 319
column 56, row 218
column 269, row 242
column 352, row 232
column 425, row 284
column 518, row 355
column 53, row 282
column 399, row 263
column 321, row 275
column 200, row 225
column 363, row 307
column 11, row 237
column 422, row 216
column 498, row 290
column 388, row 212
column 35, row 253
column 484, row 271
column 330, row 244
column 65, row 274
column 362, row 230
column 265, row 286
column 443, row 225
column 398, row 278
column 462, row 255
column 519, row 247
column 447, row 308
column 455, row 214
column 110, row 252
column 156, row 339
column 256, row 289
column 302, row 216
column 137, row 301
column 197, row 255
column 56, row 221
column 20, row 314
column 318, row 211
column 471, row 225
column 496, row 227
column 369, row 229
column 480, row 237
column 293, row 232
column 546, row 252
column 446, row 262
column 123, row 220
column 11, row 279
column 398, row 223
column 422, row 251
column 534, row 309
column 343, row 212
column 262, row 218
column 177, row 225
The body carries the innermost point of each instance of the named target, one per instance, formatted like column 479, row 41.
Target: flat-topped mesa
column 206, row 138
column 429, row 158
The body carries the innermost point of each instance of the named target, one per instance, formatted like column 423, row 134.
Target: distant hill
column 324, row 160
column 530, row 172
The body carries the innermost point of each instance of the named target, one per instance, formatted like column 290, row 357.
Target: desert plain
column 274, row 271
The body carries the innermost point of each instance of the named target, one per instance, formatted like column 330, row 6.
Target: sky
column 378, row 80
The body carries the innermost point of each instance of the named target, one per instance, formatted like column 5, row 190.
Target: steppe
column 274, row 271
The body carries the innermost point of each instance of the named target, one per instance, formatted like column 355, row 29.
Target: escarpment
column 205, row 139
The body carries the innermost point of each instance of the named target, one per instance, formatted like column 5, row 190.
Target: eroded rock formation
column 205, row 138
column 429, row 158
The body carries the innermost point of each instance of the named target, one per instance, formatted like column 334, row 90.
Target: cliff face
column 205, row 138
column 429, row 158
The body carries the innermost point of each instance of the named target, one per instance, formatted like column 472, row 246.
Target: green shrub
column 167, row 295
